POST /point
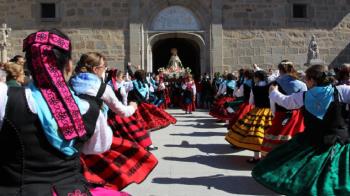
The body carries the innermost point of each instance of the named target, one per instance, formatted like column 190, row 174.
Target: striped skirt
column 248, row 132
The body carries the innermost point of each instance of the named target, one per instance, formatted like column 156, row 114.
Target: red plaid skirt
column 218, row 110
column 153, row 117
column 284, row 127
column 129, row 128
column 125, row 163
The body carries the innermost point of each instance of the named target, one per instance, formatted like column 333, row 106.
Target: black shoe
column 149, row 148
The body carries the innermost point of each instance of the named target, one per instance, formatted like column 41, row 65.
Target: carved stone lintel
column 175, row 18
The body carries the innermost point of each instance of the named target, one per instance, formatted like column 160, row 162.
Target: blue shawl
column 49, row 124
column 318, row 99
column 248, row 83
column 291, row 85
column 231, row 84
column 141, row 88
column 88, row 84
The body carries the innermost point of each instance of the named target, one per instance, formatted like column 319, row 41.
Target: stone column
column 135, row 33
column 216, row 33
column 3, row 52
column 4, row 44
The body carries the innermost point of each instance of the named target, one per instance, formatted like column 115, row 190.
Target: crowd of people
column 74, row 131
column 295, row 123
column 86, row 129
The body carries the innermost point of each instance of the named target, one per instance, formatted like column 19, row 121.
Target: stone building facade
column 211, row 35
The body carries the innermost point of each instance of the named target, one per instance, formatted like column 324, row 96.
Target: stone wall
column 263, row 32
column 92, row 25
column 250, row 31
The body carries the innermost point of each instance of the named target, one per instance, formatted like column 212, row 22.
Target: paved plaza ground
column 195, row 160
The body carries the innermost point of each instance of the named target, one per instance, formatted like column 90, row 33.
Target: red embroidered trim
column 46, row 38
column 52, row 85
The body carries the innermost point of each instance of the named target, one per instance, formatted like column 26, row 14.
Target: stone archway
column 172, row 24
column 188, row 52
column 193, row 42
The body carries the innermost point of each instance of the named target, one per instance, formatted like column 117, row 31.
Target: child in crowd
column 189, row 88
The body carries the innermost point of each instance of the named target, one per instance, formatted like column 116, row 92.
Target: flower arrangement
column 174, row 72
column 188, row 70
column 161, row 69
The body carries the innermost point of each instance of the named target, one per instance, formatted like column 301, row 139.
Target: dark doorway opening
column 188, row 52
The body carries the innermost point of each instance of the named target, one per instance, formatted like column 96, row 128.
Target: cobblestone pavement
column 195, row 160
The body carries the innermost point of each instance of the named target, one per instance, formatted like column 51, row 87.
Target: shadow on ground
column 228, row 162
column 200, row 123
column 200, row 134
column 207, row 148
column 189, row 116
column 242, row 185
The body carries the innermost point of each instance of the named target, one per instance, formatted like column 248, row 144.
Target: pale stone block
column 259, row 59
column 245, row 60
column 258, row 43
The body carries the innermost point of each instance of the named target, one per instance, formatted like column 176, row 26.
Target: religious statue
column 174, row 62
column 313, row 54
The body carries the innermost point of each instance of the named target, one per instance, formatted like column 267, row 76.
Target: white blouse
column 193, row 86
column 113, row 102
column 296, row 100
column 222, row 89
column 123, row 93
column 239, row 92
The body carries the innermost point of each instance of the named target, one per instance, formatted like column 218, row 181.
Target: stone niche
column 175, row 18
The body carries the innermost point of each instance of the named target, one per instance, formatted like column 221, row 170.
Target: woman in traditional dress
column 248, row 132
column 225, row 94
column 126, row 127
column 159, row 91
column 117, row 167
column 189, row 95
column 315, row 162
column 153, row 118
column 217, row 81
column 231, row 107
column 242, row 103
column 42, row 145
column 175, row 92
column 162, row 91
column 286, row 123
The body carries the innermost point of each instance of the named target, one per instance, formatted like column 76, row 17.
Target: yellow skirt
column 248, row 132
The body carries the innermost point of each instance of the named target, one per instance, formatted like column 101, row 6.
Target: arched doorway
column 176, row 27
column 188, row 52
